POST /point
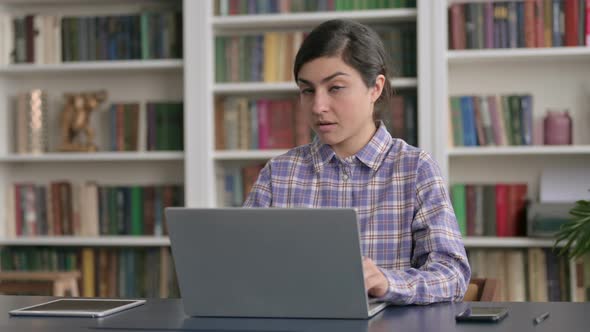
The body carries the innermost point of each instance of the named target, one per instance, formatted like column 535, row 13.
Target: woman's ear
column 378, row 87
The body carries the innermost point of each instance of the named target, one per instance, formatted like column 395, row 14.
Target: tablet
column 78, row 307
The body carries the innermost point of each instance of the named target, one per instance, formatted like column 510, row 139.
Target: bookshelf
column 556, row 77
column 215, row 160
column 137, row 80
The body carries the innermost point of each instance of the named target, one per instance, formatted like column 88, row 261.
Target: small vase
column 557, row 128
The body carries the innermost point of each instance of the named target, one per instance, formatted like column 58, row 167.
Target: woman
column 412, row 247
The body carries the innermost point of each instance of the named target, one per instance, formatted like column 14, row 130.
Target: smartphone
column 482, row 314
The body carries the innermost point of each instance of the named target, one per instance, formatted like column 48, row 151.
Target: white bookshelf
column 307, row 19
column 125, row 81
column 286, row 87
column 555, row 77
column 84, row 241
column 93, row 66
column 540, row 150
column 246, row 154
column 507, row 242
column 90, row 157
column 519, row 55
column 228, row 25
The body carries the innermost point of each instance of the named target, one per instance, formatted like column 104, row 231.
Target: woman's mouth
column 324, row 126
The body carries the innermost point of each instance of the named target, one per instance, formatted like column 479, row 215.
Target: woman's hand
column 376, row 283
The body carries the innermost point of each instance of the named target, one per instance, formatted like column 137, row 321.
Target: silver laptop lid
column 248, row 262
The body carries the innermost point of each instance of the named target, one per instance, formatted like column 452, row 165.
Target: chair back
column 481, row 289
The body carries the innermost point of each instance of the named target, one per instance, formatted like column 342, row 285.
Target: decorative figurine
column 75, row 120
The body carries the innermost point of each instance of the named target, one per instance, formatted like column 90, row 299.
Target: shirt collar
column 372, row 154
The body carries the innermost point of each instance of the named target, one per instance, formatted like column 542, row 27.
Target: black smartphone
column 482, row 314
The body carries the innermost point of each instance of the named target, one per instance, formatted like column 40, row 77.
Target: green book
column 515, row 119
column 457, row 121
column 145, row 35
column 459, row 200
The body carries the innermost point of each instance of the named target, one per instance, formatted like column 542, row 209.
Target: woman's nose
column 320, row 103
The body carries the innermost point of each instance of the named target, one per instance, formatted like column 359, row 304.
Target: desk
column 159, row 315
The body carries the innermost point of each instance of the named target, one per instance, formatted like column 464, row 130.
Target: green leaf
column 576, row 233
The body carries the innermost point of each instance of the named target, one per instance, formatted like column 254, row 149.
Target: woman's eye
column 336, row 88
column 306, row 91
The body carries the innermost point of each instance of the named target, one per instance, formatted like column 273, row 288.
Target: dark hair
column 358, row 45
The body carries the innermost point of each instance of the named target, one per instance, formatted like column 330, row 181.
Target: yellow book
column 270, row 56
column 88, row 272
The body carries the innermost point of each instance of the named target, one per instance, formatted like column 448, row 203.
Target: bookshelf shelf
column 246, row 155
column 507, row 242
column 519, row 151
column 458, row 57
column 77, row 241
column 96, row 156
column 265, row 21
column 82, row 67
column 280, row 87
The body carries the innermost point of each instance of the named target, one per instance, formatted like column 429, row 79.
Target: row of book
column 164, row 126
column 44, row 39
column 533, row 275
column 492, row 120
column 269, row 57
column 251, row 123
column 513, row 24
column 235, row 182
column 251, row 7
column 112, row 273
column 490, row 209
column 401, row 117
column 64, row 208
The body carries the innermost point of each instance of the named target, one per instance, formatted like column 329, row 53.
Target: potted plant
column 576, row 233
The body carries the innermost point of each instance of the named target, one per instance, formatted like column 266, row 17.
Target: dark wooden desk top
column 168, row 315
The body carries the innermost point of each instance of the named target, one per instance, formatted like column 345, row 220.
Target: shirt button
column 344, row 177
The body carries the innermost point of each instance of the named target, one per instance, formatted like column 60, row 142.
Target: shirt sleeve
column 440, row 271
column 261, row 193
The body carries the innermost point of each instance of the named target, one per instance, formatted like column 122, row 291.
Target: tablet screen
column 79, row 305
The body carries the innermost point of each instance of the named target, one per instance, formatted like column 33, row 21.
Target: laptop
column 269, row 262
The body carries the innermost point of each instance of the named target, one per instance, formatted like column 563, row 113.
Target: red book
column 587, row 22
column 30, row 38
column 263, row 111
column 517, row 199
column 571, row 22
column 457, row 18
column 281, row 122
column 18, row 212
column 501, row 210
column 530, row 40
column 57, row 208
column 302, row 130
column 148, row 210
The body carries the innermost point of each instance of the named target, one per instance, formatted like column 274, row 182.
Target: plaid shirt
column 407, row 224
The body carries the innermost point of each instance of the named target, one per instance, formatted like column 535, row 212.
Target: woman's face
column 338, row 104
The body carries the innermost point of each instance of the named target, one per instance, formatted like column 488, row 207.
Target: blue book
column 557, row 33
column 526, row 104
column 468, row 113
